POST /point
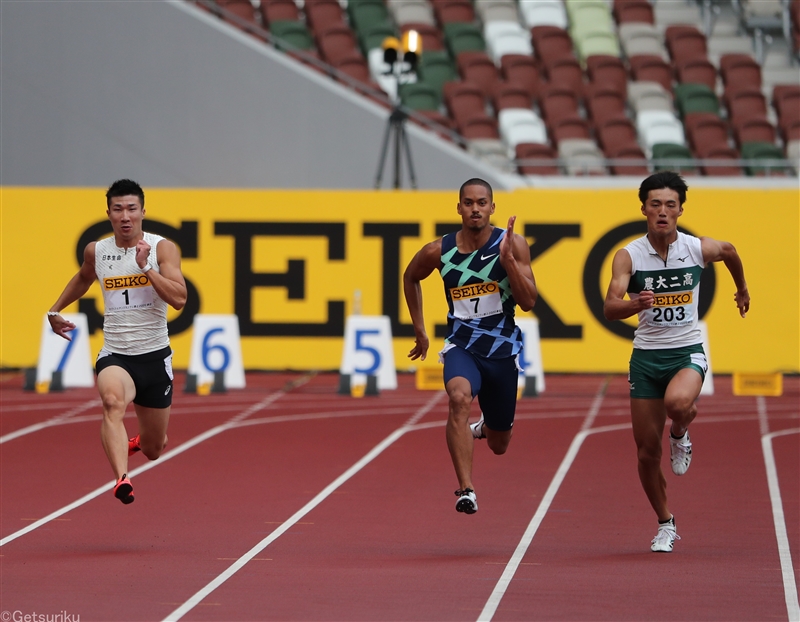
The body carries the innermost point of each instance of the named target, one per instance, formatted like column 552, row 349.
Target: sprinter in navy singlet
column 486, row 273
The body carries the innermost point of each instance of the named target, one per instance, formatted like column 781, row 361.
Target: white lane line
column 500, row 588
column 763, row 419
column 169, row 455
column 57, row 420
column 784, row 550
column 197, row 598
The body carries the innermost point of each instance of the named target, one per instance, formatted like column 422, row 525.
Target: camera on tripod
column 402, row 57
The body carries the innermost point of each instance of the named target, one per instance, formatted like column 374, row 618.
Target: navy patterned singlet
column 481, row 307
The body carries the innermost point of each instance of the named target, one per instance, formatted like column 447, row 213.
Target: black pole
column 382, row 160
column 411, row 176
column 398, row 143
column 396, row 126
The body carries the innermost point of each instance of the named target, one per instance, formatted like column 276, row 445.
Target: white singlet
column 135, row 318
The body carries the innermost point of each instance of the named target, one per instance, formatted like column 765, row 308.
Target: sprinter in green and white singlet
column 660, row 273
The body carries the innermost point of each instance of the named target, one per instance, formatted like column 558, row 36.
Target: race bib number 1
column 128, row 292
column 476, row 300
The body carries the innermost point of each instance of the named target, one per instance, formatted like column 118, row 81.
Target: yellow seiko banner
column 290, row 265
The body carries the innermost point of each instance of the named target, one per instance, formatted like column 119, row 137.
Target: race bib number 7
column 476, row 300
column 128, row 292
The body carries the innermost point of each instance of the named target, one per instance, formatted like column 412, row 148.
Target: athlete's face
column 475, row 207
column 662, row 210
column 126, row 214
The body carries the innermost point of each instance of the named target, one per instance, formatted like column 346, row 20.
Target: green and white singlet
column 672, row 320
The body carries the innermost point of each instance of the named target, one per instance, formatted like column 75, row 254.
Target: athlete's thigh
column 460, row 366
column 684, row 387
column 114, row 382
column 152, row 423
column 648, row 417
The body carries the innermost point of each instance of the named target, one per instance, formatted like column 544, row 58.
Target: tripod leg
column 411, row 175
column 382, row 161
column 398, row 162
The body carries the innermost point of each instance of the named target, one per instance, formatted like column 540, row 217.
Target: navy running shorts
column 151, row 374
column 494, row 381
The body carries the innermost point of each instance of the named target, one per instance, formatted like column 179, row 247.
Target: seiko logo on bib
column 125, row 282
column 672, row 300
column 473, row 291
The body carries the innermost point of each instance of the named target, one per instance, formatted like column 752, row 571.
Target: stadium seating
column 675, row 157
column 510, row 95
column 497, row 10
column 605, row 103
column 412, row 12
column 435, row 68
column 763, row 151
column 521, row 70
column 520, row 125
column 279, row 10
column 692, row 98
column 615, row 134
column 336, row 42
column 537, row 152
column 651, row 68
column 464, row 100
column 543, row 13
column 477, row 67
column 241, row 8
column 634, row 12
column 582, row 157
column 649, row 96
column 607, row 71
column 578, row 80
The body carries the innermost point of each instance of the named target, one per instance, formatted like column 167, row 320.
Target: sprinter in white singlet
column 140, row 274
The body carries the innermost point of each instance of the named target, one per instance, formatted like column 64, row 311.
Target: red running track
column 286, row 501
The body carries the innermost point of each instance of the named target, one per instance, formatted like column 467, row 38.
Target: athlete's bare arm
column 714, row 250
column 421, row 266
column 516, row 261
column 77, row 287
column 168, row 280
column 616, row 307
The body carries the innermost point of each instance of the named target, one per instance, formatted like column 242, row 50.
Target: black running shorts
column 151, row 373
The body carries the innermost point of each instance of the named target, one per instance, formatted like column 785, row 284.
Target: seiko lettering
column 476, row 300
column 125, row 282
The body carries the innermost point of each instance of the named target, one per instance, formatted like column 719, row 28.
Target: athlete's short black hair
column 122, row 188
column 475, row 181
column 664, row 179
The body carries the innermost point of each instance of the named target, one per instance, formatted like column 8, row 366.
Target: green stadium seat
column 293, row 33
column 436, row 68
column 679, row 154
column 419, row 96
column 374, row 36
column 463, row 37
column 365, row 14
column 763, row 151
column 691, row 98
